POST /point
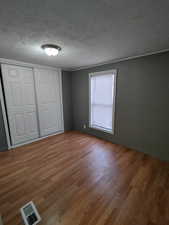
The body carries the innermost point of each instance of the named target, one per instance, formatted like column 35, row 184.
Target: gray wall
column 67, row 100
column 3, row 141
column 142, row 104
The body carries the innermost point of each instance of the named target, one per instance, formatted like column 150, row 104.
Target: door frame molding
column 25, row 64
column 61, row 96
column 4, row 114
column 2, row 100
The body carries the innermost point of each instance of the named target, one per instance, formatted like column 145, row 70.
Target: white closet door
column 20, row 100
column 49, row 101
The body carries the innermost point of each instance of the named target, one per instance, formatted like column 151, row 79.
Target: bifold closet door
column 21, row 104
column 49, row 100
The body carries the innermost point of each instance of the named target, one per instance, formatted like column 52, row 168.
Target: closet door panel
column 49, row 101
column 20, row 100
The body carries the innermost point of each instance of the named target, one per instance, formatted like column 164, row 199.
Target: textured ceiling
column 89, row 31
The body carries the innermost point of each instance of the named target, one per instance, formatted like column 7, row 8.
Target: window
column 102, row 100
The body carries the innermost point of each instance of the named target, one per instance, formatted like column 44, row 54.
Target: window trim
column 106, row 72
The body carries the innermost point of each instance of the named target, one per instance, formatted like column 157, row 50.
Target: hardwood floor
column 77, row 179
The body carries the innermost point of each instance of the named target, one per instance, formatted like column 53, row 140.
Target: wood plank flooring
column 77, row 179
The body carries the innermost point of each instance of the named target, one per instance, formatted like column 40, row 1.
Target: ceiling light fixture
column 51, row 50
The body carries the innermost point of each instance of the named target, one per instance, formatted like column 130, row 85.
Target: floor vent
column 30, row 214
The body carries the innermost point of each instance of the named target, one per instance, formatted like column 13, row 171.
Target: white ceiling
column 89, row 31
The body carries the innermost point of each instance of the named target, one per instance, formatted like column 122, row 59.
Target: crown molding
column 72, row 69
column 119, row 60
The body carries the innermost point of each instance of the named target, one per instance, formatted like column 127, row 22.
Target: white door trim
column 25, row 64
column 5, row 117
column 61, row 96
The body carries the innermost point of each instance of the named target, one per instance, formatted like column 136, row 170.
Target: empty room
column 84, row 112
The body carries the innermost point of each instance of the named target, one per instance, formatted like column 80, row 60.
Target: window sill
column 102, row 129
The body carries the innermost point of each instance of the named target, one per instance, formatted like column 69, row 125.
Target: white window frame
column 107, row 72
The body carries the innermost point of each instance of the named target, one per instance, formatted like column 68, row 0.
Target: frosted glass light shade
column 51, row 50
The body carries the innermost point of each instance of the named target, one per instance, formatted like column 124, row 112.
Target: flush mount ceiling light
column 51, row 50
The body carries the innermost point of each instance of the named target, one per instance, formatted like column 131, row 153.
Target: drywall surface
column 142, row 104
column 89, row 32
column 67, row 99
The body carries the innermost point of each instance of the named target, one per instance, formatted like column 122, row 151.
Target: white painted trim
column 35, row 211
column 114, row 72
column 25, row 64
column 36, row 102
column 106, row 72
column 37, row 139
column 101, row 129
column 89, row 98
column 114, row 101
column 117, row 60
column 61, row 96
column 71, row 69
column 4, row 117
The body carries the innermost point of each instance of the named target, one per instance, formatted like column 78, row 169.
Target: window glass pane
column 102, row 116
column 102, row 91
